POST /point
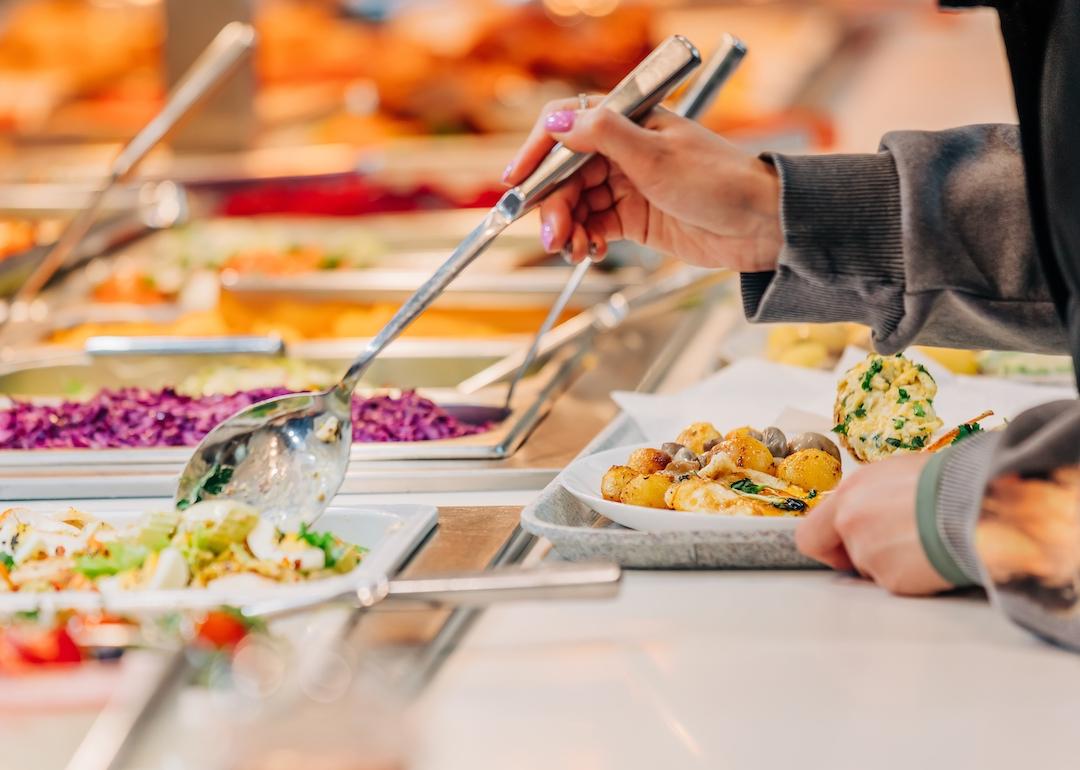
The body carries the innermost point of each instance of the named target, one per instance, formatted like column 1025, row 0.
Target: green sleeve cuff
column 926, row 512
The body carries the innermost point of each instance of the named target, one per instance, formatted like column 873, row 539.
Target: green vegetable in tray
column 340, row 556
column 119, row 557
column 6, row 560
column 156, row 529
column 233, row 527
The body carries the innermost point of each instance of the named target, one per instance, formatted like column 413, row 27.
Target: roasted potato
column 697, row 435
column 648, row 461
column 647, row 490
column 747, row 452
column 811, row 469
column 614, row 480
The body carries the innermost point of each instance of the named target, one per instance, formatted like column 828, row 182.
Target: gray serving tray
column 580, row 534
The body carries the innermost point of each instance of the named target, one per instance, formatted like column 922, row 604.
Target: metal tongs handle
column 640, row 91
column 698, row 97
column 184, row 346
column 547, row 582
column 213, row 65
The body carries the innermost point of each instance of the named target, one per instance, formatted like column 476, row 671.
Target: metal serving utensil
column 225, row 51
column 119, row 726
column 287, row 457
column 695, row 101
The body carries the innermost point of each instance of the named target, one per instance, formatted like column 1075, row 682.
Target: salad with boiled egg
column 74, row 551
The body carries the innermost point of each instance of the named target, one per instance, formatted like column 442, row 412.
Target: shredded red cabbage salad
column 134, row 417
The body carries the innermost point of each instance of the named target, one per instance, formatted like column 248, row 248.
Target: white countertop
column 739, row 669
column 752, row 670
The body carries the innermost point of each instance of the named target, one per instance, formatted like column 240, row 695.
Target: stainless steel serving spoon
column 287, row 456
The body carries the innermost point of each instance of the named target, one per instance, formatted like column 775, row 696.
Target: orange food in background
column 16, row 236
column 299, row 259
column 294, row 320
column 129, row 286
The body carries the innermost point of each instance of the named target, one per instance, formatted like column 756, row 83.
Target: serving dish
column 389, row 532
column 582, row 479
column 578, row 533
column 410, row 363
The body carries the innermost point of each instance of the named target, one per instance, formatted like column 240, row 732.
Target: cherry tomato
column 221, row 629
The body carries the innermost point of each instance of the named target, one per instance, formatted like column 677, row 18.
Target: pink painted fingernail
column 507, row 171
column 560, row 121
column 547, row 235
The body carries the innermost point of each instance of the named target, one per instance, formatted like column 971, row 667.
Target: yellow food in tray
column 885, row 405
column 293, row 320
column 812, row 346
column 742, row 473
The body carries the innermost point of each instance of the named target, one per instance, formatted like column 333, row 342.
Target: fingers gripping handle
column 652, row 80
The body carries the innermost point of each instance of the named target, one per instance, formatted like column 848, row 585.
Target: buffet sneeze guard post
column 225, row 51
column 288, row 456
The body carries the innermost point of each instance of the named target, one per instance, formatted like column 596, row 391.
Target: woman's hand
column 868, row 525
column 669, row 184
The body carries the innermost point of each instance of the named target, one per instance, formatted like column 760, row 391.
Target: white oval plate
column 582, row 479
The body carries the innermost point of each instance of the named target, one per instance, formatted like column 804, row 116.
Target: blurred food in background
column 814, row 346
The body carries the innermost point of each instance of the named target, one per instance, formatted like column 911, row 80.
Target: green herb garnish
column 331, row 261
column 790, row 504
column 747, row 486
column 875, row 367
column 904, row 397
column 898, row 423
column 213, row 483
column 922, row 369
column 965, row 430
column 860, row 412
column 812, row 495
column 6, row 560
column 919, row 411
column 916, row 443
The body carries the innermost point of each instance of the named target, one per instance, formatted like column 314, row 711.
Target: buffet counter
column 763, row 670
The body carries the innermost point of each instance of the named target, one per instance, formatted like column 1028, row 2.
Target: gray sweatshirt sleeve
column 1003, row 510
column 927, row 241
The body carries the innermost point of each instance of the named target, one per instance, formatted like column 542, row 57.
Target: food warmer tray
column 464, row 463
column 54, row 371
column 579, row 534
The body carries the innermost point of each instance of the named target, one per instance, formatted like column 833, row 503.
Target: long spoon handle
column 649, row 82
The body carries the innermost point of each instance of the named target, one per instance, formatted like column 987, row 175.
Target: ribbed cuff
column 842, row 258
column 948, row 501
